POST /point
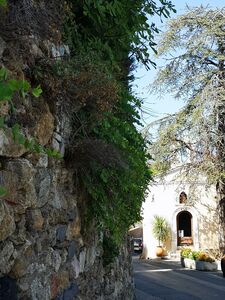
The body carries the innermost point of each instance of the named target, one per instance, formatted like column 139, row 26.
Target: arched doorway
column 184, row 228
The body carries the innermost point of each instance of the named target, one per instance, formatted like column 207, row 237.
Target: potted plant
column 198, row 260
column 161, row 231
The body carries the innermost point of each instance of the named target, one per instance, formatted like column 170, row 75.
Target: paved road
column 167, row 280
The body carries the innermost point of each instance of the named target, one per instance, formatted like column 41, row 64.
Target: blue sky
column 157, row 108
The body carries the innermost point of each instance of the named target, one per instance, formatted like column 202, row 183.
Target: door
column 184, row 229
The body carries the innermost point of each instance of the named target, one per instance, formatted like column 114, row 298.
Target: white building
column 189, row 208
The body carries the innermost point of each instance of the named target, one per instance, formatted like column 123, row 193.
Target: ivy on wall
column 115, row 27
column 106, row 38
column 3, row 3
column 115, row 170
column 118, row 190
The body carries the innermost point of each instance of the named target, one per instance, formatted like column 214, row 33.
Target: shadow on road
column 167, row 280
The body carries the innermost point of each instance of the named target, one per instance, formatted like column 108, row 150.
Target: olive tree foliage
column 194, row 51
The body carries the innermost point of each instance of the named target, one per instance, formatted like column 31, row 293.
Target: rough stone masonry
column 44, row 252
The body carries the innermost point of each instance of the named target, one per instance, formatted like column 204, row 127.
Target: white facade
column 196, row 218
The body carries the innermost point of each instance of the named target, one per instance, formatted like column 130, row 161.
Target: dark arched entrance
column 184, row 228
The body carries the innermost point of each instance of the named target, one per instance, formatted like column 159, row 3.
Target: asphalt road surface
column 159, row 279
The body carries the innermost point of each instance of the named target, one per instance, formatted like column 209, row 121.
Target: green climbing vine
column 3, row 191
column 3, row 3
column 115, row 28
column 111, row 155
column 118, row 189
column 115, row 170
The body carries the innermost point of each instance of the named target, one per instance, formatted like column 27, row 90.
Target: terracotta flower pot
column 159, row 251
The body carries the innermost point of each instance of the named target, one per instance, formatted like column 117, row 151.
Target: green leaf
column 48, row 151
column 53, row 153
column 21, row 139
column 15, row 131
column 14, row 85
column 5, row 92
column 37, row 91
column 22, row 93
column 12, row 106
column 2, row 122
column 3, row 3
column 104, row 176
column 21, row 86
column 3, row 73
column 24, row 85
column 29, row 144
column 3, row 191
column 56, row 153
column 38, row 148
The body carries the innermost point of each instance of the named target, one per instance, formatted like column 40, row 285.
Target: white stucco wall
column 163, row 200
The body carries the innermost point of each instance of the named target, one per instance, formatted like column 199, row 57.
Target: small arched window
column 182, row 197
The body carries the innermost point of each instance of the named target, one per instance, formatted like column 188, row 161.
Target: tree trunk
column 221, row 152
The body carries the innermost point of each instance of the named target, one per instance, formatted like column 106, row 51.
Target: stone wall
column 45, row 252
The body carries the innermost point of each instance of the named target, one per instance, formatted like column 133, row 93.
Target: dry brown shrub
column 79, row 85
column 86, row 151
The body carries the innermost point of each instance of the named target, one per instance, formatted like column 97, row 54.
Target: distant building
column 136, row 231
column 190, row 209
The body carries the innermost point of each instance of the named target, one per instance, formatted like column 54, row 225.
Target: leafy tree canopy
column 193, row 48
